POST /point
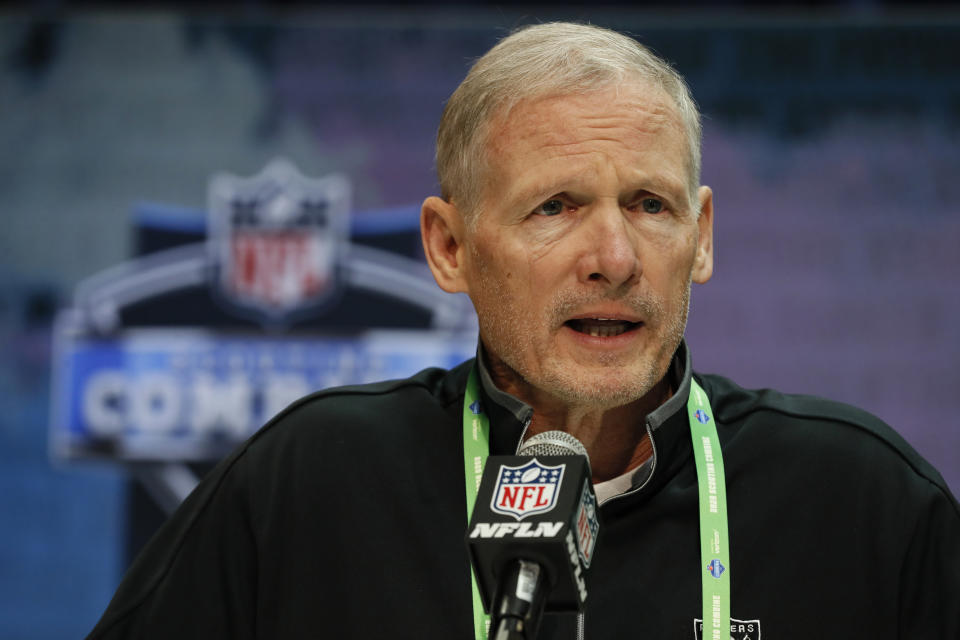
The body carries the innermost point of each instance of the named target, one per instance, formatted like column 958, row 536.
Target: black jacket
column 344, row 517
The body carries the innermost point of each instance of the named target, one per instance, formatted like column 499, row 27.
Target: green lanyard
column 714, row 543
column 476, row 448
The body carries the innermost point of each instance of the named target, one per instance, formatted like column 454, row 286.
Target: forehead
column 635, row 126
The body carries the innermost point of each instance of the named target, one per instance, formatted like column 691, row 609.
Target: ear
column 703, row 262
column 442, row 232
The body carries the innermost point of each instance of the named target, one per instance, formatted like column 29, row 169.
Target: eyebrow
column 537, row 192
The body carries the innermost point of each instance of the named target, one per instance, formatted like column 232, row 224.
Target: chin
column 603, row 389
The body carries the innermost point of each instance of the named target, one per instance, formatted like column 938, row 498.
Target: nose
column 609, row 254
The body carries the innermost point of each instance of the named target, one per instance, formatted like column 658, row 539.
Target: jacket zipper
column 653, row 469
column 581, row 624
column 526, row 425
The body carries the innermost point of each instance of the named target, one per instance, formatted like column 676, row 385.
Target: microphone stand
column 519, row 602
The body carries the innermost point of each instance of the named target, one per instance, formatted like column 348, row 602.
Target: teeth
column 601, row 327
column 605, row 331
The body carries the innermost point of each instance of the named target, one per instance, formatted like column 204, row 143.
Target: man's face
column 580, row 262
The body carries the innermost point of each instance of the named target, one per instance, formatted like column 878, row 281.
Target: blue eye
column 651, row 205
column 550, row 208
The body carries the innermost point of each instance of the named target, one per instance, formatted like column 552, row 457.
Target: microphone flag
column 540, row 510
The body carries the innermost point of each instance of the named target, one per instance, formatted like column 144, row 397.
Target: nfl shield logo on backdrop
column 275, row 240
column 527, row 489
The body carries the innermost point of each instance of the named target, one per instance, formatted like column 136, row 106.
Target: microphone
column 532, row 533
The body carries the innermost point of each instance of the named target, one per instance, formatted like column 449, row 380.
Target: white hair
column 542, row 60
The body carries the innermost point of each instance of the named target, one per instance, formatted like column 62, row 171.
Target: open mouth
column 601, row 327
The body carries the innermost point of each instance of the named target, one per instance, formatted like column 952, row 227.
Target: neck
column 615, row 437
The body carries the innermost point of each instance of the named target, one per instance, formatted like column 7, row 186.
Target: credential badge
column 528, row 489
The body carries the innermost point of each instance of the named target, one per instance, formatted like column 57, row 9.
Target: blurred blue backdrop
column 832, row 142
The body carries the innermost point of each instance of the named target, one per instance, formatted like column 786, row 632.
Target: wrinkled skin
column 580, row 262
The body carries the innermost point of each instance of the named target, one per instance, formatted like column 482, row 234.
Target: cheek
column 671, row 262
column 543, row 236
column 505, row 263
column 495, row 273
column 678, row 241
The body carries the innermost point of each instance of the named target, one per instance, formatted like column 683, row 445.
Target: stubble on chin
column 524, row 365
column 612, row 380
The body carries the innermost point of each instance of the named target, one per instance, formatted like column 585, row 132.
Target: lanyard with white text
column 714, row 541
column 714, row 546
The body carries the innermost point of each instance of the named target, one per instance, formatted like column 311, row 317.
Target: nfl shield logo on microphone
column 527, row 489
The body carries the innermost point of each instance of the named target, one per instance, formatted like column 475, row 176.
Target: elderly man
column 571, row 214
